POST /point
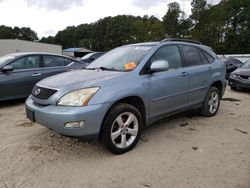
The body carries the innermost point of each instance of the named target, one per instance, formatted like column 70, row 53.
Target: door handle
column 210, row 69
column 184, row 74
column 36, row 74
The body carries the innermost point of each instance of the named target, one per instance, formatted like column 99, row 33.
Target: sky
column 47, row 17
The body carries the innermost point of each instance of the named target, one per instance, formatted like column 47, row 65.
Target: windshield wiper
column 104, row 68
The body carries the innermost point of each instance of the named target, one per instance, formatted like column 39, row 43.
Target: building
column 76, row 52
column 8, row 46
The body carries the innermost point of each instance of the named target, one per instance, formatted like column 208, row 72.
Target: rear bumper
column 238, row 83
column 55, row 117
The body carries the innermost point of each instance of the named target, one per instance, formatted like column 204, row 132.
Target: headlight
column 78, row 97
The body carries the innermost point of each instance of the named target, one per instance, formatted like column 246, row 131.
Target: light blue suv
column 130, row 87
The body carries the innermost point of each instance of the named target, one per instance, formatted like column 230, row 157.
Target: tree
column 198, row 8
column 24, row 33
column 6, row 32
column 174, row 21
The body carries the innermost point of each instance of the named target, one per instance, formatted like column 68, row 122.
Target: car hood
column 80, row 79
column 242, row 71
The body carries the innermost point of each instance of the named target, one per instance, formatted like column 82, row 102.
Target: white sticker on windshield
column 144, row 48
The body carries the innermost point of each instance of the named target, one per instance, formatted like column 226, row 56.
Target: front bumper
column 238, row 83
column 55, row 117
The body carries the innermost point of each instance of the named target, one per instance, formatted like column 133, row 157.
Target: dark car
column 21, row 71
column 231, row 65
column 240, row 78
column 91, row 57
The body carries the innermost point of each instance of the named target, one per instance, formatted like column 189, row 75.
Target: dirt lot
column 185, row 152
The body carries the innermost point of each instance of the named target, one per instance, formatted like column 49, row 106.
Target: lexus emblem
column 37, row 91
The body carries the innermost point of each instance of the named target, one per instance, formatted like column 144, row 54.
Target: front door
column 19, row 82
column 53, row 65
column 168, row 89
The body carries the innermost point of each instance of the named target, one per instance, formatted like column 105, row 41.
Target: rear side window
column 203, row 58
column 191, row 54
column 28, row 62
column 67, row 61
column 171, row 54
column 53, row 61
column 209, row 57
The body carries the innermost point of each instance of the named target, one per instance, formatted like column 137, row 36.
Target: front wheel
column 121, row 128
column 211, row 103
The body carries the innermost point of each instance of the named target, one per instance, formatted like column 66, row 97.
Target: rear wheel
column 211, row 103
column 121, row 128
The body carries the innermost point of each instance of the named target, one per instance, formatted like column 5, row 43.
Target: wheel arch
column 219, row 85
column 135, row 101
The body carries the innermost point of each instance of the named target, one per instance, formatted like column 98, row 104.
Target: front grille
column 245, row 77
column 42, row 92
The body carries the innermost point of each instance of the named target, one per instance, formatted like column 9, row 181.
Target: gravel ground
column 187, row 151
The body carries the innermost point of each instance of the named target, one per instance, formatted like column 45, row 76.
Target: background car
column 91, row 57
column 240, row 78
column 231, row 65
column 21, row 71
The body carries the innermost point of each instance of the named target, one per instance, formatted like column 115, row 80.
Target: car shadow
column 48, row 141
column 171, row 119
column 12, row 103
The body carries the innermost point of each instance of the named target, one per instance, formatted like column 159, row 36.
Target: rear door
column 19, row 82
column 168, row 89
column 200, row 70
column 53, row 65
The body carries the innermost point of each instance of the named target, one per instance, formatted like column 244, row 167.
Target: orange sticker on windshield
column 130, row 66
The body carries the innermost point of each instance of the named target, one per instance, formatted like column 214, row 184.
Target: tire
column 125, row 134
column 211, row 103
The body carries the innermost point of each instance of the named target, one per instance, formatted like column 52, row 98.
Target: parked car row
column 128, row 88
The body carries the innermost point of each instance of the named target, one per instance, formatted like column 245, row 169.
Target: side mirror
column 159, row 66
column 7, row 68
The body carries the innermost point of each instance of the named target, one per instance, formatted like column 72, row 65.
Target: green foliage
column 225, row 27
column 110, row 32
column 173, row 20
column 24, row 33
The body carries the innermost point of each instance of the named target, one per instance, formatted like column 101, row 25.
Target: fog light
column 75, row 124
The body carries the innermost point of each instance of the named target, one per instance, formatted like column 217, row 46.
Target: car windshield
column 246, row 64
column 6, row 59
column 87, row 56
column 125, row 58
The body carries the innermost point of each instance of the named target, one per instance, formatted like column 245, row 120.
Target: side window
column 203, row 58
column 191, row 54
column 171, row 54
column 28, row 62
column 53, row 61
column 67, row 61
column 209, row 57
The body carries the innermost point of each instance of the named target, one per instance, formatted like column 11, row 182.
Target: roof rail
column 181, row 40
